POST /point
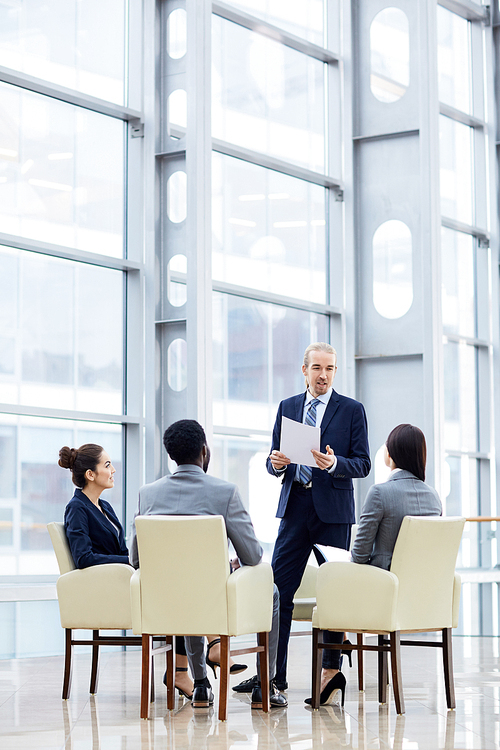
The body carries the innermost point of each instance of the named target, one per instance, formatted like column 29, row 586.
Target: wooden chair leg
column 397, row 683
column 360, row 654
column 68, row 664
column 94, row 672
column 170, row 659
column 263, row 639
column 448, row 668
column 224, row 676
column 316, row 666
column 147, row 641
column 382, row 672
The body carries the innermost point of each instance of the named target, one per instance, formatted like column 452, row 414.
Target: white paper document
column 334, row 554
column 298, row 440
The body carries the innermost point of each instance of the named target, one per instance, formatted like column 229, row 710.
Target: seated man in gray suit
column 191, row 491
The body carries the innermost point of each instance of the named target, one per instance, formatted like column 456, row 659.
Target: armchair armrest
column 354, row 597
column 135, row 602
column 96, row 598
column 457, row 588
column 250, row 599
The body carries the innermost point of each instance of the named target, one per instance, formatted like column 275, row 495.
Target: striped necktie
column 305, row 472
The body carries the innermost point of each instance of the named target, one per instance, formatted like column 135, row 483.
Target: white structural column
column 199, row 193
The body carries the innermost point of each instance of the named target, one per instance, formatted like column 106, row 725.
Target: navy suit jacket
column 344, row 428
column 91, row 538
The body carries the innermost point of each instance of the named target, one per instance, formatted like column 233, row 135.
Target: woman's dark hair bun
column 67, row 457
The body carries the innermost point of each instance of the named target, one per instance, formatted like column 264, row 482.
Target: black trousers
column 299, row 530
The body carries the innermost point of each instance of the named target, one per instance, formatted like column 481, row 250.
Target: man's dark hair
column 183, row 441
column 406, row 446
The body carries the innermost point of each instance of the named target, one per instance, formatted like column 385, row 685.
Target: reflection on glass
column 29, row 449
column 243, row 462
column 176, row 280
column 177, row 113
column 68, row 42
column 268, row 230
column 392, row 269
column 454, row 64
column 177, row 34
column 258, row 350
column 460, row 417
column 389, row 55
column 267, row 97
column 177, row 197
column 457, row 274
column 304, row 18
column 455, row 147
column 61, row 173
column 177, row 364
column 63, row 346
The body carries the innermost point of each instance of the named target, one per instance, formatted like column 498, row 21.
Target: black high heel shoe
column 234, row 669
column 336, row 683
column 349, row 652
column 179, row 690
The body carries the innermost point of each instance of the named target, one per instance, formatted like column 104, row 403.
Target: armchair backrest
column 184, row 567
column 424, row 561
column 61, row 547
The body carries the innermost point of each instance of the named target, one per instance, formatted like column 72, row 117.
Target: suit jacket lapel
column 332, row 407
column 299, row 407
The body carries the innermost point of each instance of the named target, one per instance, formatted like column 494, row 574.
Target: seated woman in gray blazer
column 403, row 494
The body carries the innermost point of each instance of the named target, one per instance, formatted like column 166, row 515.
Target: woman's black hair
column 79, row 460
column 406, row 446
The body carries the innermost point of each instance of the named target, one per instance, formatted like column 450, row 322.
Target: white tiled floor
column 32, row 714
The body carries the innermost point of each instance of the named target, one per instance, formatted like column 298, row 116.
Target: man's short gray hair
column 319, row 346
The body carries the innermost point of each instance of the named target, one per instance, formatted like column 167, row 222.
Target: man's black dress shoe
column 202, row 695
column 247, row 685
column 276, row 699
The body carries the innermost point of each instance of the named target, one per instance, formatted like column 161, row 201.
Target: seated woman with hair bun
column 95, row 535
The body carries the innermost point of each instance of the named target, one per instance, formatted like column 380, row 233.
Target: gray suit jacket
column 191, row 492
column 385, row 507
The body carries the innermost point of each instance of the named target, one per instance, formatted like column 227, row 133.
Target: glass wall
column 271, row 232
column 465, row 304
column 65, row 273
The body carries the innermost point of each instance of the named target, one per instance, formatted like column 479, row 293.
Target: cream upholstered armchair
column 95, row 598
column 184, row 587
column 420, row 593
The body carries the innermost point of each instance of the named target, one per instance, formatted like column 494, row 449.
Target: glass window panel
column 61, row 173
column 177, row 33
column 243, row 462
column 458, row 283
column 454, row 64
column 304, row 18
column 392, row 269
column 269, row 230
column 461, row 499
column 389, row 55
column 460, row 399
column 44, row 488
column 258, row 350
column 68, row 335
column 67, row 42
column 267, row 97
column 456, row 171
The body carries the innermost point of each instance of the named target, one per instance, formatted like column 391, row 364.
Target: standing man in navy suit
column 320, row 510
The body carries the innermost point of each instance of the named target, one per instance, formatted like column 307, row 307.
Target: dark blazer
column 344, row 428
column 383, row 511
column 91, row 537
